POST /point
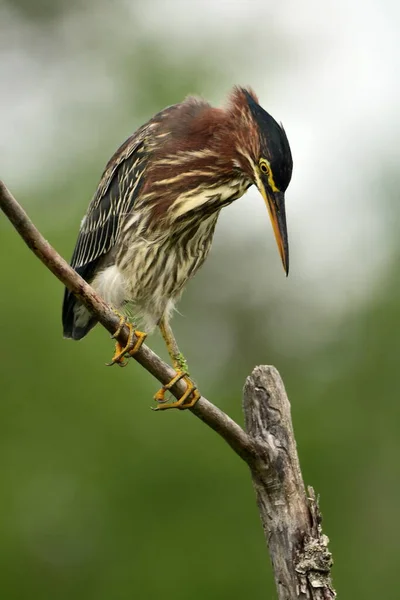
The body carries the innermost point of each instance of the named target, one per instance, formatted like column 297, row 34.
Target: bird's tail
column 76, row 319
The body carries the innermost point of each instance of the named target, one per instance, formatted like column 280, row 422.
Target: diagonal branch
column 215, row 418
column 291, row 519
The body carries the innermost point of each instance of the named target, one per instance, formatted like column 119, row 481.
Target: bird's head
column 262, row 151
column 203, row 157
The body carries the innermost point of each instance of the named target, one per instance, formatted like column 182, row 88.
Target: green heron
column 150, row 225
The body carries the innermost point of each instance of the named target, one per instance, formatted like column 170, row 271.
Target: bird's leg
column 131, row 346
column 191, row 394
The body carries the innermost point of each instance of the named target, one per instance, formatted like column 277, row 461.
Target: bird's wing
column 114, row 198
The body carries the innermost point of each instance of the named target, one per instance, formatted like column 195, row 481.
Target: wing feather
column 115, row 196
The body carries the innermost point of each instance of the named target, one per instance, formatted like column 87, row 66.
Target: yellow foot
column 189, row 398
column 131, row 346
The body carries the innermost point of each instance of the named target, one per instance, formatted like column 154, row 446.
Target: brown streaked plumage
column 150, row 224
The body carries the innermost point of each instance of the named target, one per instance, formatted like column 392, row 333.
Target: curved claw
column 187, row 400
column 122, row 322
column 118, row 358
column 131, row 346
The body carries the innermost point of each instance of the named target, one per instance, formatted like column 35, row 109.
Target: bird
column 150, row 224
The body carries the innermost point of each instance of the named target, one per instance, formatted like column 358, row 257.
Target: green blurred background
column 102, row 498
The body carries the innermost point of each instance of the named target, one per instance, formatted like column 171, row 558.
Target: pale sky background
column 335, row 87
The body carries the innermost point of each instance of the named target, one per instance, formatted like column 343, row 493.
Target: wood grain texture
column 291, row 519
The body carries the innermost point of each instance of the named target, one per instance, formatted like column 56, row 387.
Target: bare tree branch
column 291, row 520
column 207, row 412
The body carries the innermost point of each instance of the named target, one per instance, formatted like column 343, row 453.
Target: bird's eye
column 265, row 168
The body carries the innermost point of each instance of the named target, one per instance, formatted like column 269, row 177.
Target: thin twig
column 215, row 418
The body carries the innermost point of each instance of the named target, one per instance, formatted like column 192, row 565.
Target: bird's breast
column 159, row 255
column 157, row 271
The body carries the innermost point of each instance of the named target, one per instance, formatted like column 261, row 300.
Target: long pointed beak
column 275, row 202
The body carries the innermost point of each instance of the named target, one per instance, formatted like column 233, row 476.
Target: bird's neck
column 206, row 200
column 193, row 188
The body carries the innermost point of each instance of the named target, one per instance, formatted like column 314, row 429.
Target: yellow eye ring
column 265, row 168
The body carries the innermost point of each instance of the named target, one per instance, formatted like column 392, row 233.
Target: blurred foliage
column 42, row 10
column 102, row 498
